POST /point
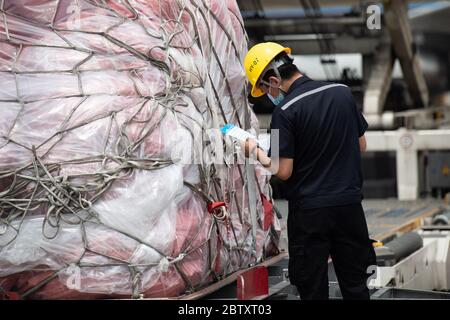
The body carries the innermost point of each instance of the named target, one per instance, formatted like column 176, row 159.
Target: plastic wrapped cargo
column 107, row 188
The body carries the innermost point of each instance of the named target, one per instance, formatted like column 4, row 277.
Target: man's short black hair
column 286, row 70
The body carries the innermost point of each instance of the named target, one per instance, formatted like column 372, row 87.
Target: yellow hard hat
column 257, row 59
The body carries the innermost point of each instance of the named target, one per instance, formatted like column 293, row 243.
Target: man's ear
column 274, row 81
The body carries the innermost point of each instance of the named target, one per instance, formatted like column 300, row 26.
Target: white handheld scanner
column 237, row 133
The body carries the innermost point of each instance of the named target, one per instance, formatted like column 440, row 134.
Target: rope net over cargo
column 100, row 102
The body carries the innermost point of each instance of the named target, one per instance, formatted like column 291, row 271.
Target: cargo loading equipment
column 413, row 262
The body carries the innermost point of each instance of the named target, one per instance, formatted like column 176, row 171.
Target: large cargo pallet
column 269, row 279
column 255, row 282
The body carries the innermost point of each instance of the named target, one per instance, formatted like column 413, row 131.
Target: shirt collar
column 297, row 83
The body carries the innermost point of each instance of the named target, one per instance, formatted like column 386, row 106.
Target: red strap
column 11, row 295
column 268, row 212
column 214, row 205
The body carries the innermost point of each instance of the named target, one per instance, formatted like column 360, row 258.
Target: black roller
column 404, row 245
column 442, row 219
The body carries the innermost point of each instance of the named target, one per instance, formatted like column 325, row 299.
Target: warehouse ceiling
column 329, row 26
column 431, row 19
column 269, row 5
column 310, row 26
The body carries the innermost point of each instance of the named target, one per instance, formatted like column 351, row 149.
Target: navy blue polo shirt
column 319, row 127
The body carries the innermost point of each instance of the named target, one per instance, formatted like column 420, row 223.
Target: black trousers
column 340, row 232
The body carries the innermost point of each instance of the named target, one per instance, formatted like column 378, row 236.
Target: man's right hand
column 250, row 146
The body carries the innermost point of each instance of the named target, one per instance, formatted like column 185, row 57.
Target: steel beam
column 379, row 81
column 396, row 19
column 277, row 4
column 303, row 22
column 343, row 44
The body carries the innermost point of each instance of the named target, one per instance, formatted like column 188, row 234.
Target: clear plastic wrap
column 106, row 175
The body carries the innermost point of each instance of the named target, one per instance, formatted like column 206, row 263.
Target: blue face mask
column 276, row 100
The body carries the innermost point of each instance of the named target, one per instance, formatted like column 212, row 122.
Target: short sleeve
column 286, row 134
column 360, row 121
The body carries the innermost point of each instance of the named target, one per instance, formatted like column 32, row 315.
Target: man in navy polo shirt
column 321, row 136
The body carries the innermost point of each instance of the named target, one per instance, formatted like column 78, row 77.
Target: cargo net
column 96, row 98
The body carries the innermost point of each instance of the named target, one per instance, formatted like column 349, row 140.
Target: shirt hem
column 326, row 201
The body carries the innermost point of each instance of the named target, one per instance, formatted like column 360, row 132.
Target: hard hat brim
column 256, row 92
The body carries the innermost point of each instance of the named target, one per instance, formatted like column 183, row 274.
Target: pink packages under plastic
column 111, row 177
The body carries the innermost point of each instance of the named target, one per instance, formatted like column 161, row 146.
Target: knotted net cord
column 40, row 184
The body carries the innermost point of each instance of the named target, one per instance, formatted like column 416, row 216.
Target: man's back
column 320, row 131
